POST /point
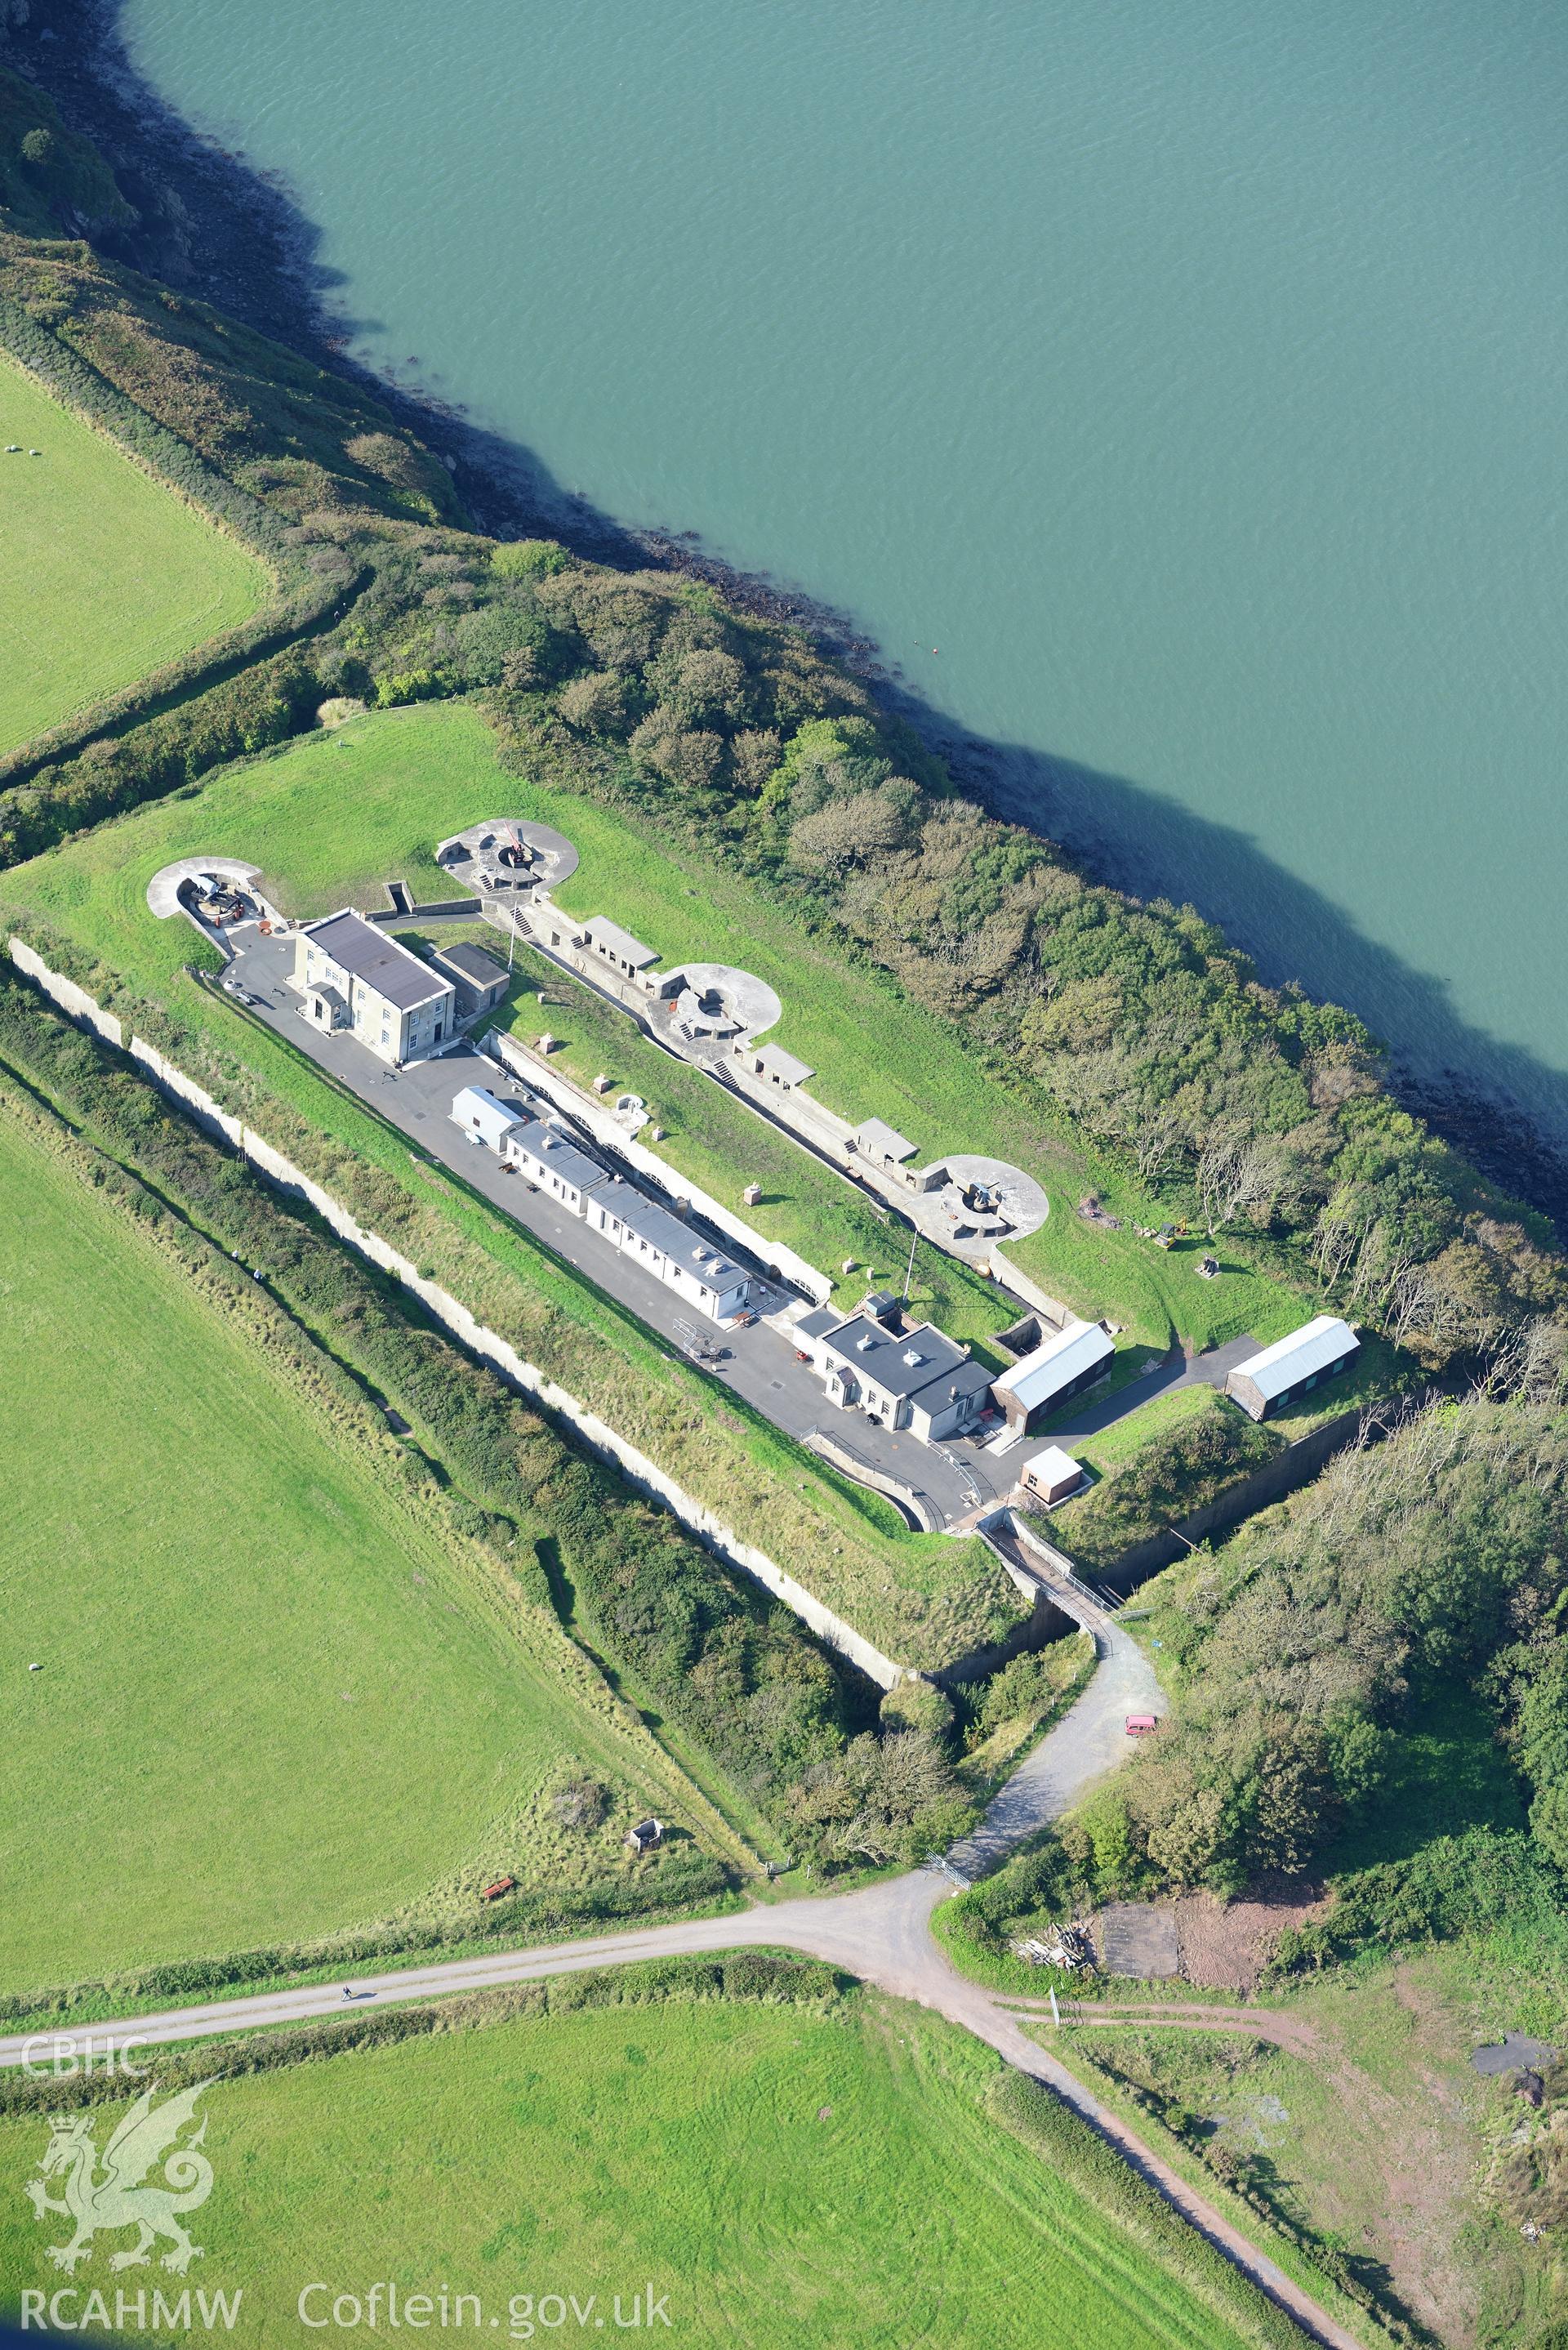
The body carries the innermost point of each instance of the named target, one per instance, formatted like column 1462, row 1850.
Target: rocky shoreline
column 213, row 223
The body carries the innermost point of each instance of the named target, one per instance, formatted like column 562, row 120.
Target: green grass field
column 925, row 1598
column 272, row 1701
column 1115, row 1446
column 773, row 2174
column 717, row 1142
column 104, row 574
column 334, row 815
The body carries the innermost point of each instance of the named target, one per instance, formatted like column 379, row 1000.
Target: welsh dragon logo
column 117, row 2198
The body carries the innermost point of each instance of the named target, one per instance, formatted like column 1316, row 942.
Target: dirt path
column 1285, row 2031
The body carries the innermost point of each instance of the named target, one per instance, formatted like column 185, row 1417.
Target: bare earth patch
column 1227, row 1945
column 1138, row 1939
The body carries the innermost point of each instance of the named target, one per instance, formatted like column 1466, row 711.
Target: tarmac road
column 880, row 1934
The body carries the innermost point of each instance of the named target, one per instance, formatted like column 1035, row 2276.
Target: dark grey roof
column 556, row 1151
column 472, row 962
column 671, row 1234
column 882, row 1360
column 973, row 1378
column 817, row 1325
column 393, row 971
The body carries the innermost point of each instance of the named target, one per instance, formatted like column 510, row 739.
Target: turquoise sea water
column 1174, row 387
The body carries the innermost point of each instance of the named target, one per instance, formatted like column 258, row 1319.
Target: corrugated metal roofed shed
column 1312, row 1348
column 1062, row 1358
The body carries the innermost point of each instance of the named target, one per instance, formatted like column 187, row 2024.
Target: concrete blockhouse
column 773, row 1065
column 623, row 954
column 479, row 980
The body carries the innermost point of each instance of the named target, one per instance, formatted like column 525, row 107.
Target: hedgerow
column 733, row 1667
column 767, row 1976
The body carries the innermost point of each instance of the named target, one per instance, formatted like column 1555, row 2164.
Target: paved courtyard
column 760, row 1366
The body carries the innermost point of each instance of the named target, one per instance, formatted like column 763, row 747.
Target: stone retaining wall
column 1295, row 1466
column 536, row 1070
column 456, row 1318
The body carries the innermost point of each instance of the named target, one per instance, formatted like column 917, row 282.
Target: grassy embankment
column 329, row 818
column 716, row 1142
column 877, row 1055
column 342, row 814
column 274, row 1698
column 1186, row 1448
column 105, row 573
column 835, row 2172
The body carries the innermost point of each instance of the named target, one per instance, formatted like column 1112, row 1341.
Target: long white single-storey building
column 551, row 1158
column 1069, row 1361
column 353, row 976
column 1293, row 1367
column 668, row 1249
column 554, row 1163
column 521, row 1138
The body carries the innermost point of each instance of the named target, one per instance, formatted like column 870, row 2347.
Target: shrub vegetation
column 731, row 1667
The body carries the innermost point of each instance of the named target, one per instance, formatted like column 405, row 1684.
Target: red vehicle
column 1140, row 1724
column 502, row 1885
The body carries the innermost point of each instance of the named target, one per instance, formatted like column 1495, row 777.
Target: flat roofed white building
column 483, row 1115
column 1049, row 1475
column 353, row 977
column 1319, row 1351
column 1062, row 1367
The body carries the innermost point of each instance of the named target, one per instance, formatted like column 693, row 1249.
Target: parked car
column 1140, row 1724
